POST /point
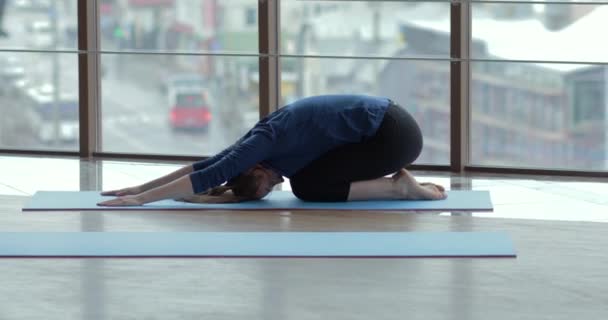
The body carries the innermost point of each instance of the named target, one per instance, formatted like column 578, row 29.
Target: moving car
column 189, row 108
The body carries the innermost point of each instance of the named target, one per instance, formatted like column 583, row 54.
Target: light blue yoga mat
column 277, row 200
column 255, row 244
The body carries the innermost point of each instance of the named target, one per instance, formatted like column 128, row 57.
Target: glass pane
column 38, row 24
column 365, row 28
column 117, row 175
column 554, row 32
column 179, row 25
column 530, row 115
column 39, row 101
column 565, row 1
column 422, row 87
column 186, row 105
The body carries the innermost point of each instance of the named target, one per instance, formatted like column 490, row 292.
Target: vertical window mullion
column 268, row 27
column 460, row 41
column 88, row 80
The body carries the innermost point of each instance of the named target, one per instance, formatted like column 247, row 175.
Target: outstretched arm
column 202, row 164
column 179, row 188
column 184, row 171
column 244, row 156
column 252, row 150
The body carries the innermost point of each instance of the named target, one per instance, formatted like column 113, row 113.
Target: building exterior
column 522, row 114
column 587, row 120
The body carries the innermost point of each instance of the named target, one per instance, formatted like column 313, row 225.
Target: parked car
column 189, row 108
column 12, row 74
column 54, row 120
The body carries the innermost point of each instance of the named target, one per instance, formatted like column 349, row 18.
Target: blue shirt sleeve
column 202, row 164
column 241, row 156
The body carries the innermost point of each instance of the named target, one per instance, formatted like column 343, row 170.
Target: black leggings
column 397, row 143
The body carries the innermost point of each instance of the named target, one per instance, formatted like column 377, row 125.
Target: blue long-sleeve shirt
column 293, row 136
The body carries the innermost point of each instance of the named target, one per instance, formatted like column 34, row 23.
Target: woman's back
column 303, row 130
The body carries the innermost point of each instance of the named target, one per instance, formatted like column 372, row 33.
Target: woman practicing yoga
column 332, row 148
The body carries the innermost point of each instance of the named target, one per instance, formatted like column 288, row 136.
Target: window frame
column 268, row 21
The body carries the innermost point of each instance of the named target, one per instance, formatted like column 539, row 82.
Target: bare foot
column 410, row 189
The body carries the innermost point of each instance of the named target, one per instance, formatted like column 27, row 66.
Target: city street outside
column 135, row 111
column 528, row 114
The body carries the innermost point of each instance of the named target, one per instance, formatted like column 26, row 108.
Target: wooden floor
column 560, row 273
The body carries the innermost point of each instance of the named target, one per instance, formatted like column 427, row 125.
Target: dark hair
column 244, row 186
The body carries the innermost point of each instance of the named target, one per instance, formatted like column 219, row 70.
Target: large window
column 152, row 106
column 167, row 88
column 367, row 47
column 560, row 108
column 38, row 87
column 183, row 77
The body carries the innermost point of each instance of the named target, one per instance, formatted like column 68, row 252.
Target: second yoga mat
column 255, row 244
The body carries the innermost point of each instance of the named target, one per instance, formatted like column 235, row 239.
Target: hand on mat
column 125, row 201
column 123, row 192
